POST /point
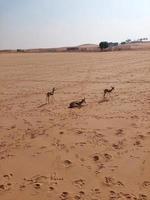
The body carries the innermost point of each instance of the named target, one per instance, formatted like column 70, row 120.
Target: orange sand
column 98, row 152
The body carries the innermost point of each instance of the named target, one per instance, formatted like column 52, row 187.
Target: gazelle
column 108, row 91
column 48, row 94
column 77, row 104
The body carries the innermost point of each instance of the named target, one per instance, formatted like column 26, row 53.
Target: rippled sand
column 100, row 151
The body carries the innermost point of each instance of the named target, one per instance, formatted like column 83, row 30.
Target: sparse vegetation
column 20, row 50
column 103, row 45
column 123, row 43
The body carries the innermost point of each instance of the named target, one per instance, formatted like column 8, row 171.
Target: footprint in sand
column 61, row 132
column 107, row 157
column 81, row 144
column 2, row 187
column 67, row 163
column 37, row 185
column 141, row 137
column 2, row 158
column 6, row 182
column 142, row 197
column 54, row 179
column 96, row 158
column 138, row 139
column 126, row 195
column 79, row 132
column 146, row 184
column 119, row 132
column 57, row 144
column 95, row 193
column 77, row 197
column 5, row 187
column 79, row 183
column 8, row 176
column 51, row 188
column 100, row 167
column 36, row 181
column 119, row 145
column 114, row 195
column 80, row 195
column 13, row 127
column 22, row 187
column 137, row 143
column 64, row 196
column 109, row 181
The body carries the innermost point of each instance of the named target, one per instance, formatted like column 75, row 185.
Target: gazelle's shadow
column 103, row 100
column 44, row 104
column 77, row 107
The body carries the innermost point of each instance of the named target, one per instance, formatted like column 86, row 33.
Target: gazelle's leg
column 46, row 98
column 110, row 95
column 104, row 94
column 53, row 97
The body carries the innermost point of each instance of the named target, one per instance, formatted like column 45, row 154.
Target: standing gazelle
column 48, row 94
column 108, row 91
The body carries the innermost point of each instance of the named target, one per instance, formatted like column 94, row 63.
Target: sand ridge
column 101, row 151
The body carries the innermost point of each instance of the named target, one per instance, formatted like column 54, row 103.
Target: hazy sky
column 54, row 23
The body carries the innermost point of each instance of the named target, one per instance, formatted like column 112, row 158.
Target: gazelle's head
column 112, row 88
column 54, row 89
column 83, row 100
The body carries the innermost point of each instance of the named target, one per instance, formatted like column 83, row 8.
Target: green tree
column 123, row 43
column 103, row 45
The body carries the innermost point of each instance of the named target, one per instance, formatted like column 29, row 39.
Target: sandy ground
column 98, row 152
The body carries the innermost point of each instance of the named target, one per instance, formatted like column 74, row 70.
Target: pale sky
column 55, row 23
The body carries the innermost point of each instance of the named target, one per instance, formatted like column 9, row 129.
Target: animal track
column 5, row 182
column 119, row 145
column 37, row 185
column 79, row 183
column 114, row 195
column 107, row 157
column 95, row 193
column 119, row 132
column 121, row 195
column 109, row 181
column 64, row 195
column 142, row 197
column 67, row 163
column 146, row 184
column 137, row 143
column 54, row 177
column 96, row 158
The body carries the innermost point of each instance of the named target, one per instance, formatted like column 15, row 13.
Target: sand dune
column 100, row 151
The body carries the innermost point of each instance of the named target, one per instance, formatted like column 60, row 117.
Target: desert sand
column 98, row 152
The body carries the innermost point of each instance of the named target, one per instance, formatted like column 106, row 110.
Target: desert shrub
column 20, row 50
column 103, row 45
column 123, row 43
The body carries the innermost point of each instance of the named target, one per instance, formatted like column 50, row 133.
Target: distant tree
column 144, row 39
column 128, row 40
column 103, row 45
column 123, row 43
column 20, row 50
column 112, row 44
